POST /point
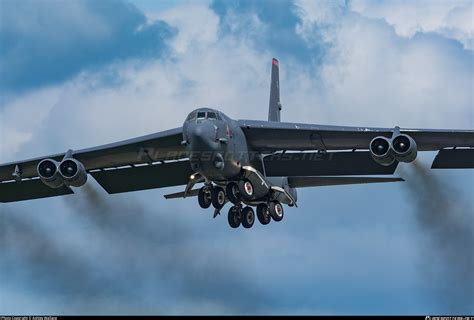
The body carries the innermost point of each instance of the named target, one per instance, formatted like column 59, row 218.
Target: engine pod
column 73, row 172
column 48, row 172
column 380, row 149
column 404, row 148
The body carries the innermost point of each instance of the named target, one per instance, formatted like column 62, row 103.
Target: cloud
column 267, row 24
column 196, row 25
column 48, row 42
column 373, row 76
column 452, row 19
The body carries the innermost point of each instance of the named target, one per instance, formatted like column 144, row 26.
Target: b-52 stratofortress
column 246, row 162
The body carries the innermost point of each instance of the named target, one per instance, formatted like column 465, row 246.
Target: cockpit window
column 201, row 115
column 211, row 115
column 191, row 116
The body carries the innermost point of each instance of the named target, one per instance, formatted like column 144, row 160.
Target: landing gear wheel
column 246, row 189
column 276, row 210
column 234, row 217
column 263, row 214
column 204, row 197
column 247, row 217
column 232, row 191
column 218, row 197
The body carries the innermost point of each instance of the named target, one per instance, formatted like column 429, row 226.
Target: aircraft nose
column 202, row 136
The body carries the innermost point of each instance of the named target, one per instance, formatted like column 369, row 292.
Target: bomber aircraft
column 246, row 162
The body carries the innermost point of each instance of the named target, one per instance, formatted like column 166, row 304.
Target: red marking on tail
column 275, row 61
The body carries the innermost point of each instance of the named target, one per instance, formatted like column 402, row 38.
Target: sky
column 75, row 74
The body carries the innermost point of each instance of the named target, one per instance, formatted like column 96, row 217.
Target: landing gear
column 237, row 193
column 263, row 214
column 246, row 189
column 276, row 210
column 234, row 217
column 232, row 191
column 218, row 197
column 247, row 217
column 204, row 197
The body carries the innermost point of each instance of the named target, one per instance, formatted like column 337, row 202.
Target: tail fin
column 275, row 105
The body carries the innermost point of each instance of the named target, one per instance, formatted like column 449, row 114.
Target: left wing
column 303, row 182
column 274, row 136
column 337, row 163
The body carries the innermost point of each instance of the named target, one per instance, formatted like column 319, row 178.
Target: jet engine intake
column 404, row 148
column 380, row 149
column 73, row 172
column 48, row 172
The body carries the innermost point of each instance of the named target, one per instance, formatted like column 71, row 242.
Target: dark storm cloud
column 46, row 42
column 122, row 251
column 446, row 226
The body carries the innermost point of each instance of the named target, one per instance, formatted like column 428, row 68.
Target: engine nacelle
column 48, row 172
column 404, row 148
column 380, row 149
column 72, row 172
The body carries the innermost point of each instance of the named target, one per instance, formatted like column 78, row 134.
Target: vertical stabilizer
column 275, row 105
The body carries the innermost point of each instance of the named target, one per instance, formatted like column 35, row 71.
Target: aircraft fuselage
column 217, row 145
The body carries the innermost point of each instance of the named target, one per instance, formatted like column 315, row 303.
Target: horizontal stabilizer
column 144, row 177
column 302, row 182
column 324, row 164
column 28, row 190
column 454, row 159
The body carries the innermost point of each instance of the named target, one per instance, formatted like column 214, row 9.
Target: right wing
column 170, row 174
column 161, row 146
column 29, row 189
column 129, row 165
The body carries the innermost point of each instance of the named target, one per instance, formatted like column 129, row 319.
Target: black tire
column 247, row 217
column 246, row 189
column 263, row 214
column 218, row 197
column 204, row 197
column 232, row 191
column 276, row 210
column 234, row 217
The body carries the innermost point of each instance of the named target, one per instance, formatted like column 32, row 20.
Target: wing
column 29, row 189
column 175, row 173
column 303, row 182
column 273, row 136
column 151, row 148
column 118, row 167
column 338, row 163
column 454, row 159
